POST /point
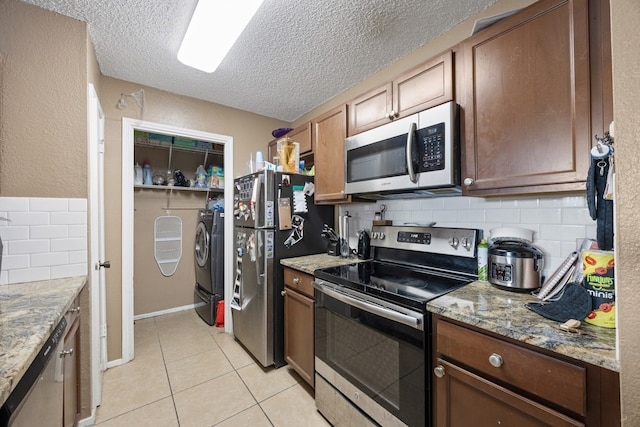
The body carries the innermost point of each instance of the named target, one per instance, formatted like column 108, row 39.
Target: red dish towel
column 220, row 314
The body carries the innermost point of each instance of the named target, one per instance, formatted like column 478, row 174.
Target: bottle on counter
column 483, row 260
column 147, row 174
column 137, row 177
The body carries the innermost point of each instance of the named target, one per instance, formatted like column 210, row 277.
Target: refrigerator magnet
column 284, row 213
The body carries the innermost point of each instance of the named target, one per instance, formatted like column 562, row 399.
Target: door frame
column 98, row 344
column 127, row 261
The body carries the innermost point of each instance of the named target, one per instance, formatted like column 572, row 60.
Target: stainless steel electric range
column 372, row 329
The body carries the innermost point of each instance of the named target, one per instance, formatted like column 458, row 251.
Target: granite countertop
column 504, row 313
column 28, row 314
column 310, row 263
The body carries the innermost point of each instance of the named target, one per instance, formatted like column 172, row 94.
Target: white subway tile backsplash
column 77, row 231
column 69, row 270
column 49, row 231
column 30, row 274
column 70, row 244
column 49, row 259
column 541, row 215
column 503, row 215
column 457, row 202
column 11, row 204
column 69, row 218
column 46, row 238
column 17, row 247
column 10, row 262
column 556, row 221
column 14, row 233
column 49, row 205
column 78, row 205
column 575, row 215
column 27, row 218
column 76, row 257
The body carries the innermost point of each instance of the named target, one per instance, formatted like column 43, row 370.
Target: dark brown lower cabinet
column 465, row 399
column 298, row 323
column 483, row 379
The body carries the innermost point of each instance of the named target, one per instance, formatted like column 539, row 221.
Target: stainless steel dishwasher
column 38, row 398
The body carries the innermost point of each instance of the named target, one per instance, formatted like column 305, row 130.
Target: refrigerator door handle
column 258, row 200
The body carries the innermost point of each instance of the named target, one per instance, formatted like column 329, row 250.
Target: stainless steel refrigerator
column 274, row 218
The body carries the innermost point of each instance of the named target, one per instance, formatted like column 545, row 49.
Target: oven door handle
column 414, row 322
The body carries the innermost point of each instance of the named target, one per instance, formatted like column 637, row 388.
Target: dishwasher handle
column 414, row 321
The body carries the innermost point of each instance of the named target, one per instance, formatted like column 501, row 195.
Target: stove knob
column 381, row 235
column 453, row 241
column 374, row 235
column 466, row 243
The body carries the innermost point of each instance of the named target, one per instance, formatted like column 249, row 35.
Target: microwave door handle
column 410, row 141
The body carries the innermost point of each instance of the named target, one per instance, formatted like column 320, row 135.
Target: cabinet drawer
column 302, row 282
column 551, row 379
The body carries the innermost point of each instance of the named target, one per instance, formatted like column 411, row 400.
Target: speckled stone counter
column 310, row 263
column 504, row 313
column 28, row 314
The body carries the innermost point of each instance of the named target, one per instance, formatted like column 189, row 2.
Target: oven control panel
column 436, row 240
column 420, row 238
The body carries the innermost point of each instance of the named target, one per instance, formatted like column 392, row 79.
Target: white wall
column 45, row 238
column 556, row 221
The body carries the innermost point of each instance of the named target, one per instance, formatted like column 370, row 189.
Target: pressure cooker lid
column 515, row 249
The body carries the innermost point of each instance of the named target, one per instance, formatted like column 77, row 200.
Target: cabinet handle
column 439, row 371
column 66, row 353
column 495, row 360
column 283, row 293
column 468, row 181
column 392, row 115
column 74, row 310
column 296, row 280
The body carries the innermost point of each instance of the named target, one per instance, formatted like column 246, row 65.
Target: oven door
column 373, row 353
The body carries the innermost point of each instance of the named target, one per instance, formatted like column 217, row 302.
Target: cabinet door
column 427, row 85
column 464, row 399
column 371, row 109
column 329, row 132
column 298, row 334
column 70, row 353
column 527, row 102
column 302, row 135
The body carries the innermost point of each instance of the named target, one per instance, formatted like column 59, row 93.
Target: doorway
column 129, row 126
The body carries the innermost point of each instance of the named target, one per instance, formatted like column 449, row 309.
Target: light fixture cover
column 214, row 28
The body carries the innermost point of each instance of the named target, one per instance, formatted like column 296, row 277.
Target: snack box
column 599, row 281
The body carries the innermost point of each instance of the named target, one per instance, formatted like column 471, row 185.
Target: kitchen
column 60, row 117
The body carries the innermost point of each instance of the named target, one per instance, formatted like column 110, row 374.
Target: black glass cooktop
column 400, row 284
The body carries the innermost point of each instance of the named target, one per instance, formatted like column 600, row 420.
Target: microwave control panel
column 431, row 150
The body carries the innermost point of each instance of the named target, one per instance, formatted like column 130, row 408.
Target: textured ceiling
column 292, row 57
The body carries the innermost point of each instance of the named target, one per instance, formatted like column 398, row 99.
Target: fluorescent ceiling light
column 214, row 28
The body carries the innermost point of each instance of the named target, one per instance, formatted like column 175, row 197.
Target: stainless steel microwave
column 416, row 156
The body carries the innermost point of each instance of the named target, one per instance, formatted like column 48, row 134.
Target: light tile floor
column 186, row 373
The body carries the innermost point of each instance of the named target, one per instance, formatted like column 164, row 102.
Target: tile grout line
column 166, row 371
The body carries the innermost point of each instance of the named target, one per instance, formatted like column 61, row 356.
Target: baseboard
column 161, row 312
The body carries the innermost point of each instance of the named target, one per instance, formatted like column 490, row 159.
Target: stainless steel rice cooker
column 515, row 265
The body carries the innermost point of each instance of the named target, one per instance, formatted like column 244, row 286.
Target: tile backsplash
column 556, row 221
column 45, row 238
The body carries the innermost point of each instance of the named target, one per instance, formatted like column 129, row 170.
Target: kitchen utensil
column 364, row 244
column 515, row 265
